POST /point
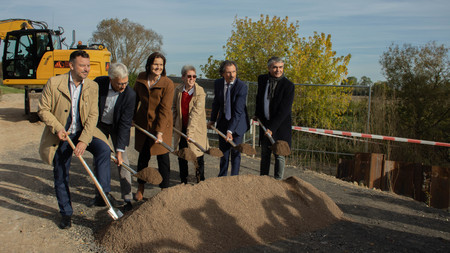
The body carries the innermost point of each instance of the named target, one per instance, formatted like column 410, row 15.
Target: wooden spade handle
column 265, row 130
column 153, row 137
column 126, row 166
column 190, row 139
column 97, row 184
column 223, row 136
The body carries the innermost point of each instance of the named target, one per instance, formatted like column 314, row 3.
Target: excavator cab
column 33, row 53
column 24, row 50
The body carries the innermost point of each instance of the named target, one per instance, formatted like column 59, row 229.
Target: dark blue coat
column 123, row 111
column 239, row 122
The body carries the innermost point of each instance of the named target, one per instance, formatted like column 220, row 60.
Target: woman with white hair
column 189, row 117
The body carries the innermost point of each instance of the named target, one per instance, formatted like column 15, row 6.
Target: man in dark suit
column 274, row 109
column 116, row 108
column 229, row 109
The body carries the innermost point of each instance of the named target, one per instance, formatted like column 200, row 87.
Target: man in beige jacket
column 69, row 109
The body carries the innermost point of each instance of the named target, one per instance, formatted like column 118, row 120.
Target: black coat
column 280, row 109
column 123, row 111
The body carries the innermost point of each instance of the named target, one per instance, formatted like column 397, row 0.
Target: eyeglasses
column 123, row 84
column 191, row 76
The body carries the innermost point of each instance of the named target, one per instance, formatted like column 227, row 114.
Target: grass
column 8, row 90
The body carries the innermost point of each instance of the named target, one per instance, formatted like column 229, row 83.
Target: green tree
column 365, row 81
column 351, row 80
column 129, row 43
column 420, row 77
column 307, row 60
column 211, row 69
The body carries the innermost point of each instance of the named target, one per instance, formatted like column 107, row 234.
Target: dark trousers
column 266, row 153
column 163, row 164
column 227, row 150
column 183, row 164
column 61, row 165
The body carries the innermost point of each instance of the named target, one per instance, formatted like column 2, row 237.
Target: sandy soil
column 375, row 221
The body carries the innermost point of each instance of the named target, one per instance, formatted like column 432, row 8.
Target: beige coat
column 54, row 109
column 196, row 128
column 153, row 112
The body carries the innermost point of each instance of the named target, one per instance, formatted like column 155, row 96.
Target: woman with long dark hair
column 154, row 97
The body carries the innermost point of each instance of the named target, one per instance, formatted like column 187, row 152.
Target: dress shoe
column 128, row 206
column 66, row 222
column 114, row 202
column 98, row 201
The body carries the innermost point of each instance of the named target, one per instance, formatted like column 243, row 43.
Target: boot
column 140, row 192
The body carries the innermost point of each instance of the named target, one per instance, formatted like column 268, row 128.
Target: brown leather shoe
column 140, row 192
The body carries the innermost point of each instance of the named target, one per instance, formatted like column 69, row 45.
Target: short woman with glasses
column 189, row 117
column 154, row 97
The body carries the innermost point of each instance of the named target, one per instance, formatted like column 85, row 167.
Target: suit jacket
column 123, row 110
column 196, row 128
column 54, row 108
column 280, row 108
column 239, row 122
column 153, row 112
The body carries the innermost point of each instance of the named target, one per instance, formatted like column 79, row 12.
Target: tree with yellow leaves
column 314, row 62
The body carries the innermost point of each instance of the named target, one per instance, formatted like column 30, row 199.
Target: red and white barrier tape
column 342, row 137
column 370, row 136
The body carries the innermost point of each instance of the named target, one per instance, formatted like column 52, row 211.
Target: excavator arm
column 8, row 25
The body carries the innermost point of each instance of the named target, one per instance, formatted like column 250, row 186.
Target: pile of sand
column 222, row 214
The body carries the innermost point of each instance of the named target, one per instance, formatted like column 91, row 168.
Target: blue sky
column 194, row 30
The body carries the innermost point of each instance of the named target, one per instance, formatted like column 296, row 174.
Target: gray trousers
column 124, row 174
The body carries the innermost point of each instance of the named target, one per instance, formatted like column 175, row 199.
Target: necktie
column 227, row 108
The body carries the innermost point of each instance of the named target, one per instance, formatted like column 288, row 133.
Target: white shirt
column 75, row 97
column 191, row 91
column 108, row 111
column 110, row 103
column 266, row 102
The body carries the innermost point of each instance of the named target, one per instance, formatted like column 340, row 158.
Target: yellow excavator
column 32, row 53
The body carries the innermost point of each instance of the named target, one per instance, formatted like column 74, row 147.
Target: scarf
column 273, row 81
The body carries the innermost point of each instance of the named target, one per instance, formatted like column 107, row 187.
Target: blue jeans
column 61, row 166
column 266, row 154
